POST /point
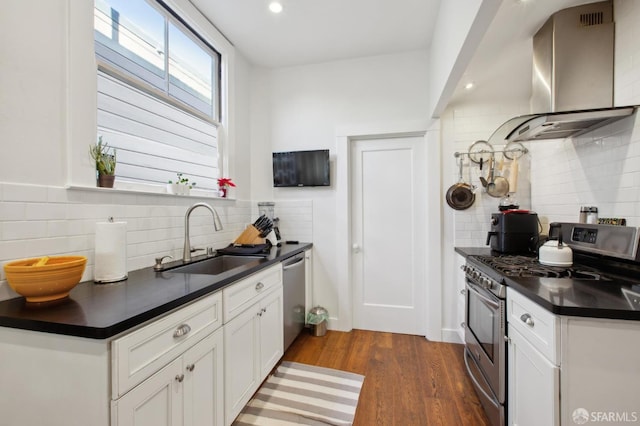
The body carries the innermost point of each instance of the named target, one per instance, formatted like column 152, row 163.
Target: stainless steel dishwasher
column 294, row 297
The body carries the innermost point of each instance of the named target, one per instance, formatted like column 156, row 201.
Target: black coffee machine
column 514, row 232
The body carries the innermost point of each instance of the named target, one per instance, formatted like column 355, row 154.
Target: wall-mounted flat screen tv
column 301, row 168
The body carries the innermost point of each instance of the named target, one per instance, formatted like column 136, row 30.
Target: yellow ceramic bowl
column 45, row 279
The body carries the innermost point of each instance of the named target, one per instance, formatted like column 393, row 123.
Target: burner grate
column 524, row 266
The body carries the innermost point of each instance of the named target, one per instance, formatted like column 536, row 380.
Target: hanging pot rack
column 481, row 151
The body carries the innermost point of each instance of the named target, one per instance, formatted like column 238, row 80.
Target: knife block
column 250, row 235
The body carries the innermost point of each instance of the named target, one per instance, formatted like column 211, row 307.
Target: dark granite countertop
column 100, row 311
column 581, row 298
column 616, row 298
column 474, row 251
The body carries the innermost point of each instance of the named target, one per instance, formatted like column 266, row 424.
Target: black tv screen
column 301, row 168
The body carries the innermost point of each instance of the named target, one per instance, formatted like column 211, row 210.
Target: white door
column 388, row 179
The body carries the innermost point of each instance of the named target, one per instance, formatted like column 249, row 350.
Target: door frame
column 430, row 131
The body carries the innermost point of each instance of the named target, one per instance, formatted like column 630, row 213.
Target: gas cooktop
column 525, row 266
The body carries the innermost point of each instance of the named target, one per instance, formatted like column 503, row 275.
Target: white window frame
column 81, row 91
column 139, row 77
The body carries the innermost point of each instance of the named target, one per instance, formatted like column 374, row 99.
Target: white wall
column 305, row 108
column 32, row 77
column 459, row 29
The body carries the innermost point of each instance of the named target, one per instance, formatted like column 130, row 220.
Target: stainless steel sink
column 218, row 265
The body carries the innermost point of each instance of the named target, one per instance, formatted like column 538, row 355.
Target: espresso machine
column 267, row 208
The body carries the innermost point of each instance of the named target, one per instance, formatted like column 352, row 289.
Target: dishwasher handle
column 295, row 262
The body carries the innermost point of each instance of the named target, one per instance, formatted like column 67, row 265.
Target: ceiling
column 316, row 31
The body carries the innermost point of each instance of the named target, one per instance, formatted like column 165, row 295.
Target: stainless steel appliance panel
column 484, row 336
column 294, row 283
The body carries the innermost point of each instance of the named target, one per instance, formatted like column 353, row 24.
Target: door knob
column 356, row 248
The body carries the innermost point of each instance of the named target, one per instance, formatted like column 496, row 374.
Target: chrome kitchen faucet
column 217, row 224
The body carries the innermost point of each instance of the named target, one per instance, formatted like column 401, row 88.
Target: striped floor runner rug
column 304, row 395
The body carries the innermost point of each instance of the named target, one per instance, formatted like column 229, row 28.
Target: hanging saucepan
column 460, row 196
column 498, row 186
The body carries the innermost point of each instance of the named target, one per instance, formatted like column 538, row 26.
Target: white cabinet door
column 271, row 332
column 203, row 382
column 533, row 385
column 241, row 353
column 155, row 402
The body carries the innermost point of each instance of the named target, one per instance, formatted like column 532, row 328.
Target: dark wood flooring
column 408, row 379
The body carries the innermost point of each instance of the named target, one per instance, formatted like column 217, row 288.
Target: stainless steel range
column 605, row 262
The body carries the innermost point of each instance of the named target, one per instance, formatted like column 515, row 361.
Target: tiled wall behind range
column 467, row 125
column 44, row 220
column 601, row 168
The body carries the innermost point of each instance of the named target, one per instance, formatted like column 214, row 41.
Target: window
column 158, row 94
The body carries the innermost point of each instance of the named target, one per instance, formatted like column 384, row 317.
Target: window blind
column 154, row 139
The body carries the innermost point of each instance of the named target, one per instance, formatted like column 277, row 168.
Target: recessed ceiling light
column 275, row 7
column 469, row 86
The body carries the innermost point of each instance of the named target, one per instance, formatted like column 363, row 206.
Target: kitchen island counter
column 101, row 311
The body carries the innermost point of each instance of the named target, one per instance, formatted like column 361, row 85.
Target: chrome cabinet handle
column 463, row 291
column 259, row 286
column 180, row 378
column 183, row 330
column 191, row 367
column 463, row 324
column 526, row 318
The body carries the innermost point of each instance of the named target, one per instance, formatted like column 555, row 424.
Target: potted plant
column 105, row 158
column 223, row 185
column 181, row 186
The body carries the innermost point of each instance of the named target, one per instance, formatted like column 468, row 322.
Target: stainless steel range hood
column 572, row 87
column 558, row 125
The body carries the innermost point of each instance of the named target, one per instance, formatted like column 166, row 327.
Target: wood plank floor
column 408, row 379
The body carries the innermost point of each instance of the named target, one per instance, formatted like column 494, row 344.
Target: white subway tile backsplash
column 45, row 211
column 12, row 211
column 24, row 230
column 38, row 220
column 25, row 193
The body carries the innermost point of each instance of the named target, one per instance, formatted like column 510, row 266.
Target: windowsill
column 195, row 193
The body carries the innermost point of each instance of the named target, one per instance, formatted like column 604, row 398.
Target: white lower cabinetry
column 188, row 391
column 253, row 343
column 186, row 368
column 562, row 367
column 533, row 385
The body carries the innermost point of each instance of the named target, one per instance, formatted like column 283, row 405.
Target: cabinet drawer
column 141, row 353
column 239, row 296
column 537, row 325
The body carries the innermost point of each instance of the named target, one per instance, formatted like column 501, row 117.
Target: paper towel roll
column 111, row 252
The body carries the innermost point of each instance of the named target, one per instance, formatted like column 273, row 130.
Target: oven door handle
column 492, row 303
column 491, row 398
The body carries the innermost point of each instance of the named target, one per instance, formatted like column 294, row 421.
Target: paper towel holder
column 108, row 276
